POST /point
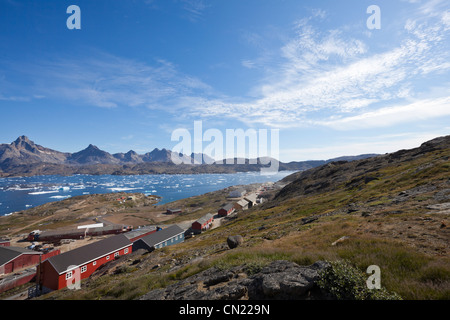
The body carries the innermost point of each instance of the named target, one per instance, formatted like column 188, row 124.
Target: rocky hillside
column 355, row 174
column 390, row 211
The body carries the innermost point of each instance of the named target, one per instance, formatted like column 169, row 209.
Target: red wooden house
column 59, row 271
column 203, row 223
column 226, row 210
column 13, row 259
column 17, row 266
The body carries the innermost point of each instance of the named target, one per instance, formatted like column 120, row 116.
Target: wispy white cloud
column 14, row 98
column 321, row 77
column 108, row 81
column 195, row 8
column 389, row 116
column 328, row 74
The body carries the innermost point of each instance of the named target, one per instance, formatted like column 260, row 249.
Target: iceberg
column 60, row 197
column 41, row 192
column 122, row 189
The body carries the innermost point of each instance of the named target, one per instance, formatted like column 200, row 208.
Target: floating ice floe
column 122, row 189
column 41, row 192
column 60, row 197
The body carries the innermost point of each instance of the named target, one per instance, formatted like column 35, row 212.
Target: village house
column 252, row 199
column 226, row 210
column 18, row 265
column 13, row 259
column 237, row 193
column 57, row 272
column 241, row 204
column 160, row 239
column 203, row 223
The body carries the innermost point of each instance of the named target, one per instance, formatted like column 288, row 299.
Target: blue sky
column 139, row 69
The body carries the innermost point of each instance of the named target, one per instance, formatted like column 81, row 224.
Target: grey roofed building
column 226, row 210
column 9, row 253
column 228, row 206
column 251, row 198
column 153, row 240
column 139, row 233
column 242, row 204
column 237, row 193
column 174, row 211
column 205, row 218
column 88, row 253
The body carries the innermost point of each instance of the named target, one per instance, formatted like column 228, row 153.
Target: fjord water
column 20, row 193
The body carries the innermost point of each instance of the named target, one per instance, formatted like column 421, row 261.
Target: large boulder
column 234, row 241
column 284, row 280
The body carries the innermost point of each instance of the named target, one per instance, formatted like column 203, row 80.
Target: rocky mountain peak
column 22, row 141
column 92, row 147
column 22, row 138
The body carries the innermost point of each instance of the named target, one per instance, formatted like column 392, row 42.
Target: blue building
column 160, row 239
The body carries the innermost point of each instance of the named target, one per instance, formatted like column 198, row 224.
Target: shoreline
column 160, row 189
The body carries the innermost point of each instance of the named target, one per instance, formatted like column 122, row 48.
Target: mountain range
column 24, row 157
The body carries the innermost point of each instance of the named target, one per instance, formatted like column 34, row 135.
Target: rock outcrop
column 280, row 280
column 234, row 241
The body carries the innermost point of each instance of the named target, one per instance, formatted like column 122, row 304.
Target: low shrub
column 344, row 282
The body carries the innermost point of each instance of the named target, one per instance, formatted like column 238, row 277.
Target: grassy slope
column 400, row 235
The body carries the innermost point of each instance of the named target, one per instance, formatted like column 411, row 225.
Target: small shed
column 241, row 205
column 203, row 223
column 226, row 210
column 174, row 211
column 165, row 237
